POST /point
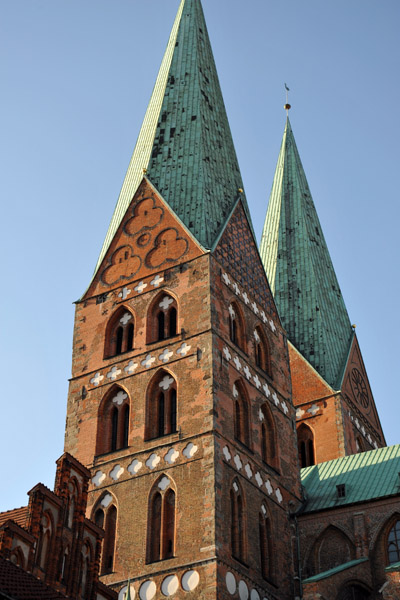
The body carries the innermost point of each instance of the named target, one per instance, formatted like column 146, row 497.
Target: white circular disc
column 243, row 590
column 122, row 592
column 170, row 585
column 190, row 580
column 147, row 590
column 254, row 595
column 230, row 583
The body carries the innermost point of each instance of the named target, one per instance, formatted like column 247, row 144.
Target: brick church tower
column 336, row 412
column 180, row 397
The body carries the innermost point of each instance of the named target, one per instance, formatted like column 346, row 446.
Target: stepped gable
column 237, row 252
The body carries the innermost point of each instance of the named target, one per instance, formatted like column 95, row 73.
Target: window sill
column 165, row 340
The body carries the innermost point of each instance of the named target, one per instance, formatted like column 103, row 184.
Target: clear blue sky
column 75, row 81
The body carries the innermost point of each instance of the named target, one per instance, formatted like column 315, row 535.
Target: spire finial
column 287, row 105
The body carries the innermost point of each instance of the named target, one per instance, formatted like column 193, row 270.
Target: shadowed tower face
column 180, row 400
column 300, row 270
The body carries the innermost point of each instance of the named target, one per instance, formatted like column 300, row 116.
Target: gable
column 150, row 238
column 357, row 390
column 307, row 383
column 238, row 253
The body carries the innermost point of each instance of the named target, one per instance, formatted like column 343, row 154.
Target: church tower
column 180, row 397
column 336, row 413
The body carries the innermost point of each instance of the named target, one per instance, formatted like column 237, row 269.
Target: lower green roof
column 338, row 569
column 366, row 476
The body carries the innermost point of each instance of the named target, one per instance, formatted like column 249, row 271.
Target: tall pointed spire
column 300, row 270
column 185, row 144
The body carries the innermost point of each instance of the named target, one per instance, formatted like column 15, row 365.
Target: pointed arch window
column 238, row 523
column 265, row 540
column 241, row 414
column 113, row 422
column 393, row 544
column 106, row 518
column 305, row 441
column 161, row 413
column 163, row 318
column 120, row 333
column 70, row 505
column 236, row 326
column 85, row 572
column 64, row 566
column 268, row 437
column 161, row 521
column 44, row 541
column 262, row 354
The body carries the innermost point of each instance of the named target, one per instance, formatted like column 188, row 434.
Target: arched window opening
column 109, row 540
column 262, row 354
column 163, row 318
column 114, row 428
column 161, row 526
column 169, row 524
column 172, row 322
column 17, row 557
column 353, row 592
column 105, row 516
column 161, row 414
column 85, row 572
column 99, row 517
column 64, row 566
column 241, row 414
column 238, row 539
column 305, row 441
column 265, row 538
column 332, row 549
column 268, row 437
column 44, row 541
column 70, row 505
column 120, row 333
column 393, row 544
column 113, row 422
column 236, row 326
column 125, row 430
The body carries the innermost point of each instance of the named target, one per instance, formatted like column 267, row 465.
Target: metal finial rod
column 287, row 105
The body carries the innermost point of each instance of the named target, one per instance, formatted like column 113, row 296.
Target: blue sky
column 76, row 78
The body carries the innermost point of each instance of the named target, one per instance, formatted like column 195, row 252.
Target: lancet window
column 238, row 522
column 262, row 354
column 161, row 413
column 236, row 326
column 393, row 544
column 120, row 333
column 268, row 437
column 305, row 441
column 163, row 318
column 105, row 516
column 265, row 540
column 241, row 415
column 113, row 421
column 161, row 521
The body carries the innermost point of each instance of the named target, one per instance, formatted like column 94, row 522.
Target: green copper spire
column 300, row 270
column 185, row 141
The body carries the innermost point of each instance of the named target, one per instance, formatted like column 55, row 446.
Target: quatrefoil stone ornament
column 166, row 382
column 120, row 397
column 165, row 302
column 125, row 318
